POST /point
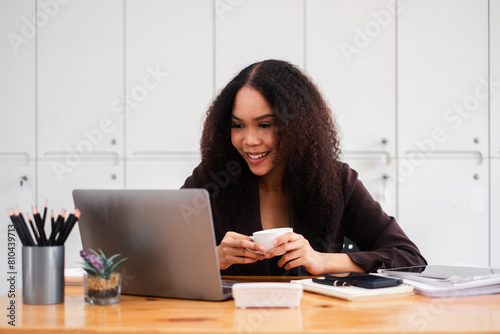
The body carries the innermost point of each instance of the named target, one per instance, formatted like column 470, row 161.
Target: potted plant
column 102, row 285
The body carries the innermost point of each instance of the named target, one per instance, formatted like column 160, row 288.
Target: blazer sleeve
column 381, row 241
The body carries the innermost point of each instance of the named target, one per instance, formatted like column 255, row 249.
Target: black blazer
column 381, row 241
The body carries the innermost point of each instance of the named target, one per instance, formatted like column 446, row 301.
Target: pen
column 330, row 282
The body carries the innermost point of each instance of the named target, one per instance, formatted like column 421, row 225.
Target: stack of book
column 448, row 281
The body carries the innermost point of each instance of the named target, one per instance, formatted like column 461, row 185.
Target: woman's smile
column 257, row 158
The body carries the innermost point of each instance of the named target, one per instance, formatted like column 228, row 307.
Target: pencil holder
column 43, row 275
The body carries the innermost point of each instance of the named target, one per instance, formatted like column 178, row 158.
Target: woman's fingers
column 285, row 243
column 237, row 248
column 297, row 252
column 240, row 241
column 244, row 256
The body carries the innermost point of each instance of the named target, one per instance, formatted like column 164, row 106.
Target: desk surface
column 316, row 314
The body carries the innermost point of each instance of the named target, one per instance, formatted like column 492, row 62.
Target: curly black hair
column 307, row 133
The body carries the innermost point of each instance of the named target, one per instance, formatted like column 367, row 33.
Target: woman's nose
column 251, row 138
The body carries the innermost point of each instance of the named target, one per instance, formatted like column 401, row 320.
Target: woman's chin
column 258, row 171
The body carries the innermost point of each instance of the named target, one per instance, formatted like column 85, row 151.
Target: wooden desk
column 317, row 314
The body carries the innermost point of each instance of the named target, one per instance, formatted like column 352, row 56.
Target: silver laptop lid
column 167, row 236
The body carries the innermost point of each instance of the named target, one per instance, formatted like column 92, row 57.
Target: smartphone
column 363, row 280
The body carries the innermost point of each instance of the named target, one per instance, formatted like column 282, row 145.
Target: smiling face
column 253, row 132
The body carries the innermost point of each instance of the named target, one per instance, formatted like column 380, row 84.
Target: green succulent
column 98, row 264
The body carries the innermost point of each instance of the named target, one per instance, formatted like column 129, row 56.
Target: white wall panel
column 90, row 174
column 442, row 76
column 17, row 120
column 443, row 207
column 250, row 31
column 17, row 84
column 378, row 174
column 12, row 195
column 80, row 76
column 80, row 81
column 351, row 53
column 495, row 131
column 169, row 74
column 18, row 184
column 495, row 78
column 160, row 173
column 495, row 213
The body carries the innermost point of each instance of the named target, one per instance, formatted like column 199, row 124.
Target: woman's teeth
column 257, row 156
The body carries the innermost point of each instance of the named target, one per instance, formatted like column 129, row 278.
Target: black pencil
column 33, row 229
column 43, row 236
column 52, row 221
column 45, row 213
column 20, row 234
column 65, row 226
column 69, row 226
column 22, row 224
column 56, row 230
column 26, row 228
column 23, row 228
column 38, row 223
column 61, row 227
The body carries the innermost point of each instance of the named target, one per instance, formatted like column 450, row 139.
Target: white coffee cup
column 266, row 237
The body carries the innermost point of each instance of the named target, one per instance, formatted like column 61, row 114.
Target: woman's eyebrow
column 264, row 116
column 256, row 118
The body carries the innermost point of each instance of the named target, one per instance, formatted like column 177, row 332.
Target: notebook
column 353, row 293
column 167, row 236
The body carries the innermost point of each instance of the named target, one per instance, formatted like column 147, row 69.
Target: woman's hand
column 300, row 253
column 237, row 248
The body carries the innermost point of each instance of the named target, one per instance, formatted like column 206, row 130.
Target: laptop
column 167, row 236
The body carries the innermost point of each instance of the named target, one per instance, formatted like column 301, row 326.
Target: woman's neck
column 273, row 181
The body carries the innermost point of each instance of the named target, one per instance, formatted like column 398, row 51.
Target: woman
column 270, row 153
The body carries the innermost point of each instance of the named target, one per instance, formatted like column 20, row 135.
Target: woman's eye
column 265, row 125
column 236, row 125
